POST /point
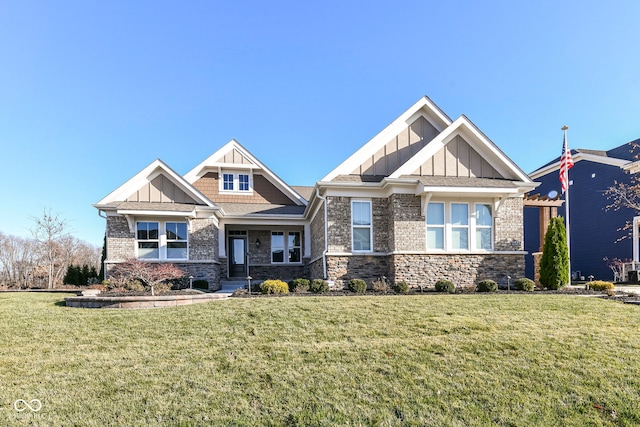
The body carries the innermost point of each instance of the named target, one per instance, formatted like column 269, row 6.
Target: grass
column 455, row 360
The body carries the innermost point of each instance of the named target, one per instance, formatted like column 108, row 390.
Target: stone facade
column 341, row 269
column 508, row 224
column 203, row 240
column 461, row 269
column 406, row 223
column 120, row 240
column 339, row 224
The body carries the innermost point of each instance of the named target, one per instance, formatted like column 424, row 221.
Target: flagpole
column 566, row 204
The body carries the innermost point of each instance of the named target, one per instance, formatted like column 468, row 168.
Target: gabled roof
column 234, row 156
column 146, row 176
column 423, row 108
column 476, row 139
column 623, row 156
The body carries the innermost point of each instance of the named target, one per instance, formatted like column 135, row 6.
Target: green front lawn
column 446, row 360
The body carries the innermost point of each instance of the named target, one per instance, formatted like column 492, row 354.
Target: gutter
column 326, row 234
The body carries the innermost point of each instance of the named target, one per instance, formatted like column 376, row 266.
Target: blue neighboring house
column 595, row 231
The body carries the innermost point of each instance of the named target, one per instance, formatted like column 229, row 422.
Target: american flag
column 566, row 163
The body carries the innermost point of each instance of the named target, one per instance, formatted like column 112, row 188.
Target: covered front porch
column 264, row 251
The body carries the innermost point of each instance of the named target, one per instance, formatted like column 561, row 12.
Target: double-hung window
column 286, row 247
column 162, row 240
column 177, row 243
column 454, row 227
column 148, row 240
column 361, row 226
column 484, row 227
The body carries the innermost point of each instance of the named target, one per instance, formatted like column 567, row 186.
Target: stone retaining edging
column 130, row 302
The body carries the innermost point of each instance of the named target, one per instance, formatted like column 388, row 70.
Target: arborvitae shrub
column 319, row 286
column 299, row 285
column 445, row 286
column 554, row 265
column 358, row 286
column 600, row 285
column 274, row 287
column 401, row 287
column 524, row 284
column 487, row 285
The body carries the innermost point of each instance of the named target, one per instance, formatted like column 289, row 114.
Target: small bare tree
column 626, row 195
column 50, row 230
column 151, row 274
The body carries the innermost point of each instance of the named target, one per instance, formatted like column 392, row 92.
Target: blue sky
column 92, row 92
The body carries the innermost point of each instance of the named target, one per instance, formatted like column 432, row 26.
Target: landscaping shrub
column 299, row 285
column 401, row 287
column 487, row 286
column 274, row 287
column 200, row 284
column 445, row 286
column 319, row 286
column 358, row 286
column 381, row 285
column 600, row 285
column 524, row 284
column 554, row 265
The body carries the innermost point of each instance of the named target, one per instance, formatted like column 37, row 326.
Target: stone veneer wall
column 339, row 223
column 508, row 226
column 203, row 240
column 120, row 241
column 380, row 217
column 406, row 223
column 341, row 269
column 317, row 231
column 462, row 270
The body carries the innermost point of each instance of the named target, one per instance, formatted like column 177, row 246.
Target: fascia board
column 138, row 212
column 195, row 173
column 610, row 161
column 374, row 144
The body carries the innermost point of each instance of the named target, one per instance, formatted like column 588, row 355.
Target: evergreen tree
column 554, row 265
column 103, row 258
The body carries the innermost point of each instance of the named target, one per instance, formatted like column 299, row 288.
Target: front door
column 237, row 256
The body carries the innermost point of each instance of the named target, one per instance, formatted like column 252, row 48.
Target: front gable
column 156, row 184
column 461, row 150
column 234, row 175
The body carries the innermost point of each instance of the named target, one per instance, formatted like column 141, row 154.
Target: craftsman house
column 425, row 199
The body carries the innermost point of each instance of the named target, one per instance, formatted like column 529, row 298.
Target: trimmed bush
column 401, row 287
column 600, row 285
column 299, row 285
column 319, row 286
column 358, row 286
column 200, row 284
column 524, row 284
column 445, row 286
column 487, row 286
column 274, row 287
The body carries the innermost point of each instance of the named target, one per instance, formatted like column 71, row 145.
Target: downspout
column 326, row 233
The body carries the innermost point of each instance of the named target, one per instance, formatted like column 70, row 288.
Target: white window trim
column 162, row 241
column 236, row 181
column 285, row 248
column 370, row 226
column 471, row 227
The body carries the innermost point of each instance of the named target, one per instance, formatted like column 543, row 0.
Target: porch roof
column 260, row 209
